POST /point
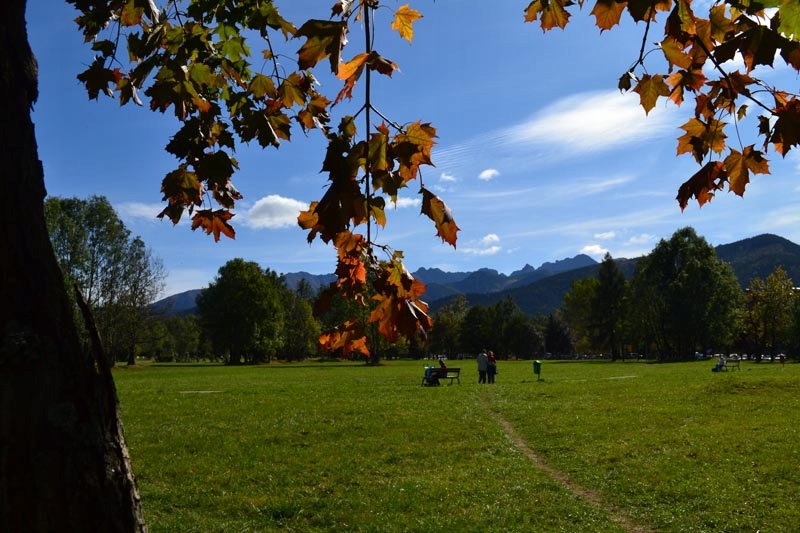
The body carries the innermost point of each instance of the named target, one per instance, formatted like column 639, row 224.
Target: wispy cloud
column 580, row 124
column 488, row 174
column 448, row 178
column 644, row 238
column 274, row 211
column 553, row 191
column 605, row 235
column 139, row 210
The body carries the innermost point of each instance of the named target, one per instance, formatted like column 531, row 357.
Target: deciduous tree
column 685, row 298
column 242, row 312
column 446, row 335
column 64, row 464
column 608, row 307
column 116, row 272
column 769, row 311
column 577, row 312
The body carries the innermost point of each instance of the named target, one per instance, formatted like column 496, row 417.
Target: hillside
column 541, row 290
column 759, row 256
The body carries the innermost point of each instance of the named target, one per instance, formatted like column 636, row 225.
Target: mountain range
column 541, row 290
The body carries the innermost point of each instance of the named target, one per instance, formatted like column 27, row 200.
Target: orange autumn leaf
column 702, row 185
column 403, row 21
column 739, row 165
column 215, row 222
column 702, row 137
column 607, row 13
column 441, row 215
column 348, row 337
column 649, row 89
column 551, row 13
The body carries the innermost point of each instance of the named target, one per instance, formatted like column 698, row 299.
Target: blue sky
column 539, row 156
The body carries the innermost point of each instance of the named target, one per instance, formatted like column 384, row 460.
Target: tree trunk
column 64, row 464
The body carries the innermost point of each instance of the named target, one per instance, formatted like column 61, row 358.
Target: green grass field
column 593, row 446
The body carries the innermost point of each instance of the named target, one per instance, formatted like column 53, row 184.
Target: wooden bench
column 732, row 362
column 433, row 375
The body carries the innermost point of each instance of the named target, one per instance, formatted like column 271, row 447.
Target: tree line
column 681, row 300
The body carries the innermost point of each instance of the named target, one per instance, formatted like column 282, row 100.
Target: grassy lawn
column 593, row 446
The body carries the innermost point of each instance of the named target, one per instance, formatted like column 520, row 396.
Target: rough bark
column 63, row 460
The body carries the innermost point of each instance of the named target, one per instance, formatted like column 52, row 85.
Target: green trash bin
column 537, row 368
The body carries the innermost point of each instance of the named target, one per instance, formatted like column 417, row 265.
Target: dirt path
column 615, row 512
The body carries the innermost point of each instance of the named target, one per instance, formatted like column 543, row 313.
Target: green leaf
column 790, row 19
column 262, row 86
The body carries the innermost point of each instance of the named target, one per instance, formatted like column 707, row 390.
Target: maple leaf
column 350, row 72
column 412, row 148
column 324, row 39
column 786, row 131
column 348, row 337
column 642, row 10
column 215, row 222
column 758, row 46
column 701, row 137
column 377, row 209
column 683, row 79
column 721, row 24
column 403, row 21
column 649, row 89
column 702, row 185
column 437, row 211
column 292, row 90
column 182, row 187
column 215, row 167
column 552, row 12
column 351, row 274
column 97, row 78
column 309, row 219
column 790, row 19
column 675, row 52
column 398, row 310
column 738, row 165
column 607, row 13
column 262, row 86
column 131, row 14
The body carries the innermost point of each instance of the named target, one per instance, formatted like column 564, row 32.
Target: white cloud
column 605, row 235
column 488, row 174
column 490, row 239
column 274, row 212
column 407, row 202
column 486, row 245
column 594, row 250
column 447, row 177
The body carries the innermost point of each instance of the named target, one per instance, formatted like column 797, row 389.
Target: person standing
column 491, row 367
column 483, row 364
